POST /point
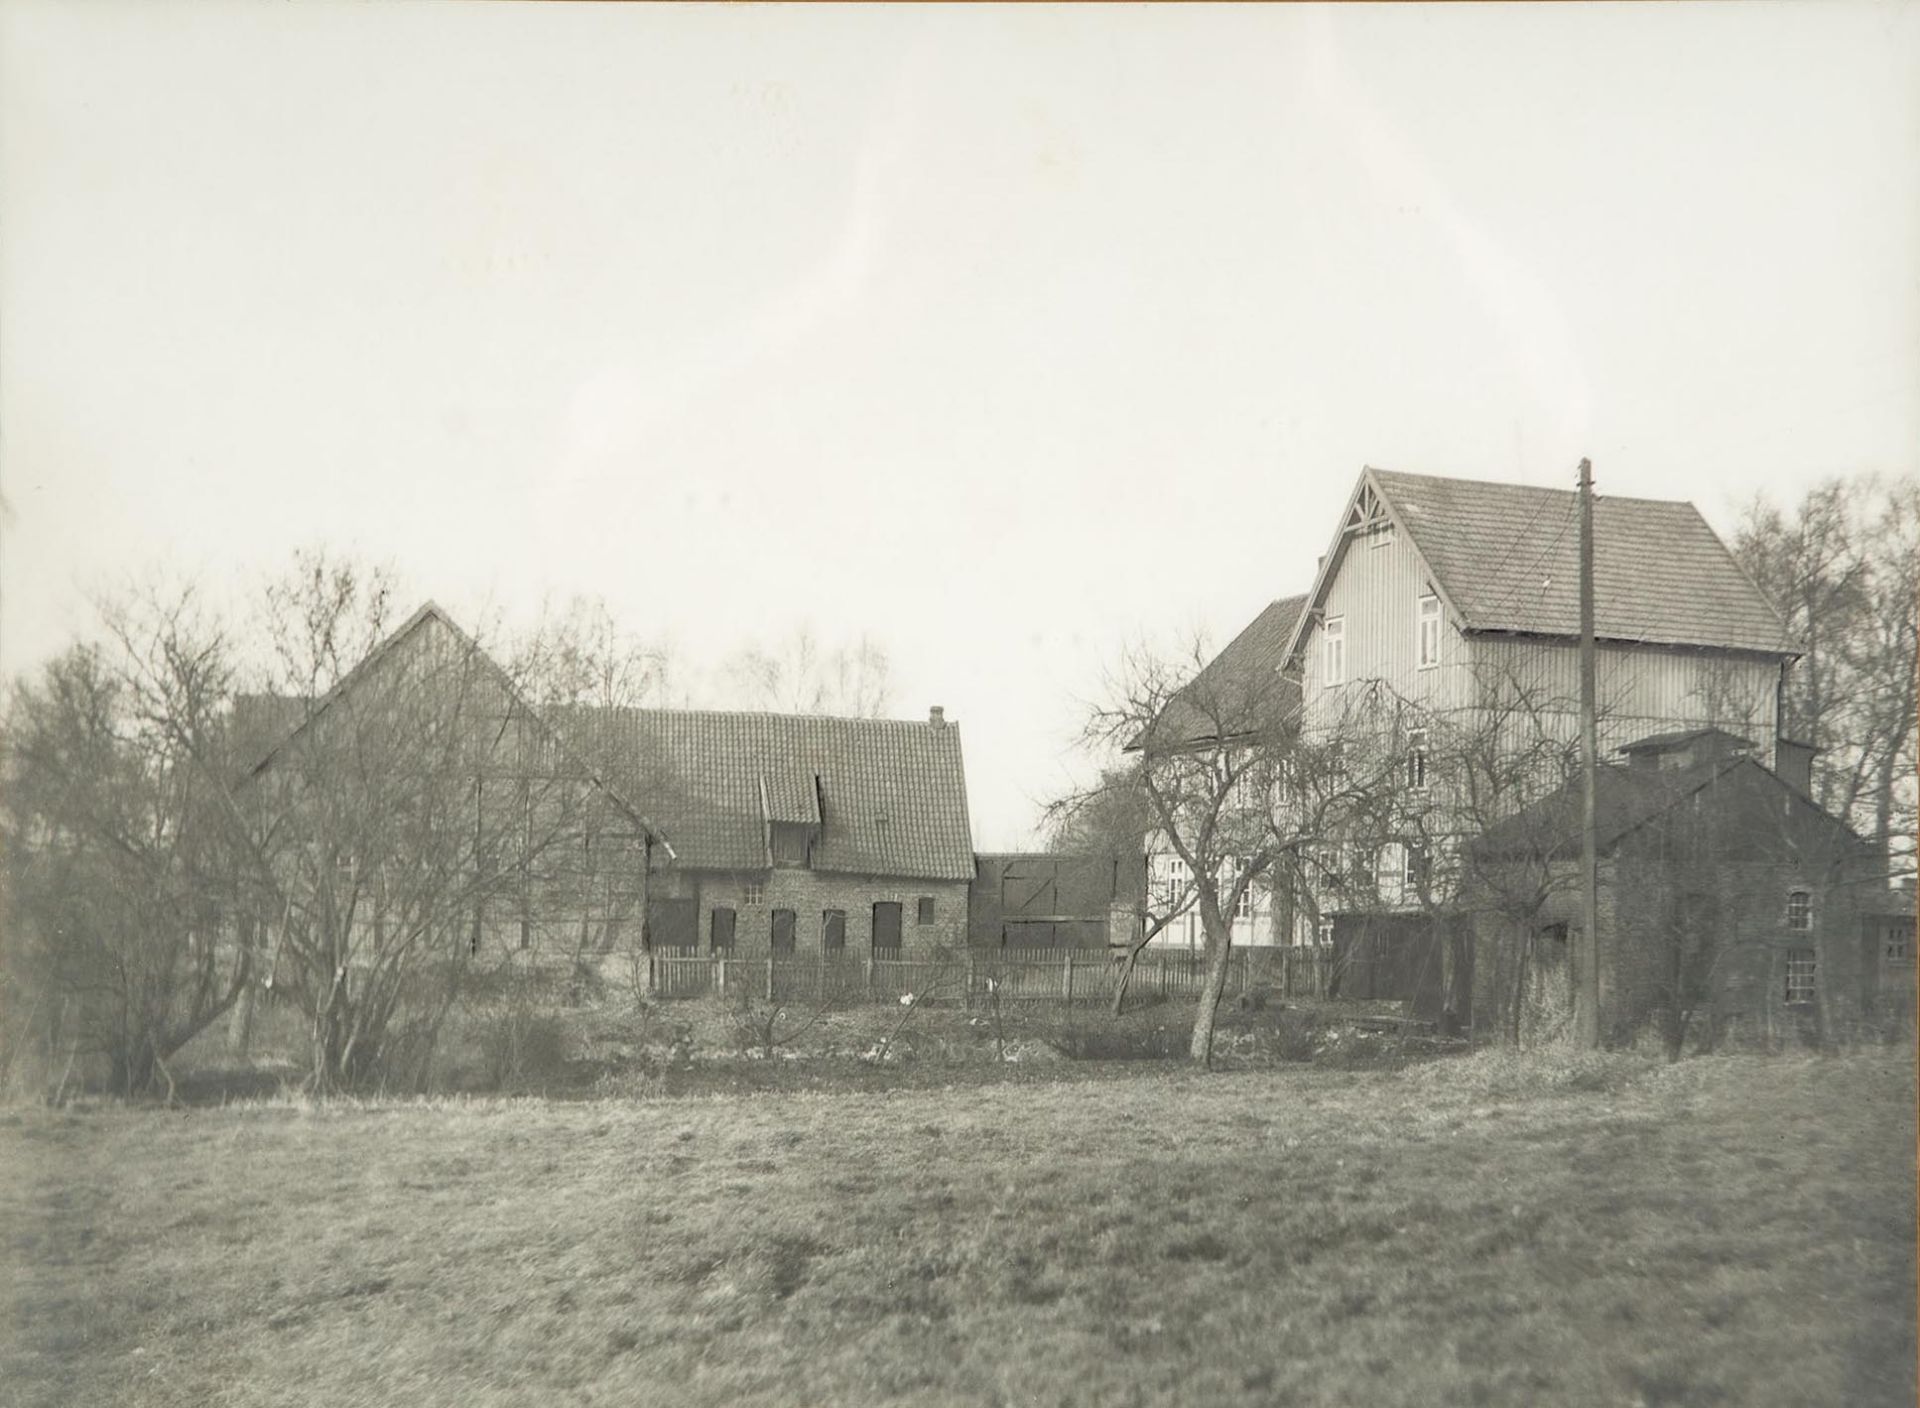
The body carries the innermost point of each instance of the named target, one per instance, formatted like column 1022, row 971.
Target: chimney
column 1793, row 763
column 937, row 716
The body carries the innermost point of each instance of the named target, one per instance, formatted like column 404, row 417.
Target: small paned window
column 1428, row 642
column 1799, row 909
column 1899, row 945
column 756, row 893
column 1417, row 760
column 1334, row 650
column 1800, row 976
column 923, row 912
column 1323, row 930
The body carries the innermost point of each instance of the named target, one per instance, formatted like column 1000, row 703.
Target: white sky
column 1004, row 334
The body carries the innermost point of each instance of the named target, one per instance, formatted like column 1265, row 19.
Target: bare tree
column 1841, row 567
column 1204, row 749
column 801, row 675
column 416, row 815
column 123, row 861
column 580, row 655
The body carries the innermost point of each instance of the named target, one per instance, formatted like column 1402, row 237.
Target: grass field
column 1476, row 1231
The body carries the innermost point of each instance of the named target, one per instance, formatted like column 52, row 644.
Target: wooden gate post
column 869, row 977
column 1066, row 981
column 969, row 999
column 769, row 977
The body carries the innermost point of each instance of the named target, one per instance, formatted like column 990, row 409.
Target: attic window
column 1429, row 631
column 1381, row 536
column 1333, row 650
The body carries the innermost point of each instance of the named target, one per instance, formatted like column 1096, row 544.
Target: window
column 1799, row 909
column 923, row 911
column 886, row 927
column 1323, row 930
column 1173, row 882
column 783, row 927
column 833, row 931
column 1417, row 760
column 1414, row 873
column 1381, row 536
column 1243, row 907
column 720, row 930
column 1899, row 948
column 1334, row 650
column 756, row 893
column 1800, row 973
column 1428, row 643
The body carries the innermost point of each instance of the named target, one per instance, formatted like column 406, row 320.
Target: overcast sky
column 1005, row 335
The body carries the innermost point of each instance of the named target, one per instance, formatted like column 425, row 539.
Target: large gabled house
column 422, row 802
column 1444, row 615
column 1442, row 628
column 1443, row 592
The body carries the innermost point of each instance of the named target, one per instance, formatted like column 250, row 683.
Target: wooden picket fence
column 1070, row 977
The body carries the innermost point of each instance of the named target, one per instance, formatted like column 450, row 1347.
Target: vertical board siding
column 1643, row 689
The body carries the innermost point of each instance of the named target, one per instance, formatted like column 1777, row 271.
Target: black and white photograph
column 975, row 705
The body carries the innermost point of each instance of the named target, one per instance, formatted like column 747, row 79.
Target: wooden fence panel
column 1075, row 977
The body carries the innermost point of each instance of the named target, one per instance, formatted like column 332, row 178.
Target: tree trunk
column 240, row 1024
column 1219, row 944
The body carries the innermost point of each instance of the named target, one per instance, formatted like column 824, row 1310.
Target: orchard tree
column 1203, row 749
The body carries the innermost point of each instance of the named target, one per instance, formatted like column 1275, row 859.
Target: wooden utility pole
column 1587, row 998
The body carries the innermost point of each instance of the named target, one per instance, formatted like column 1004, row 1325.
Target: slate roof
column 891, row 794
column 1506, row 558
column 1232, row 683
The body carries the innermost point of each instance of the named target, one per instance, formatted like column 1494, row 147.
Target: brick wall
column 809, row 894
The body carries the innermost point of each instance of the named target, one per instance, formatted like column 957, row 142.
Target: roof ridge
column 1598, row 497
column 652, row 711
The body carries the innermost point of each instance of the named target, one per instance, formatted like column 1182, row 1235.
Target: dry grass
column 1482, row 1231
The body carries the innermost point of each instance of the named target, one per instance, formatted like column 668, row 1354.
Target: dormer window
column 791, row 843
column 1333, row 650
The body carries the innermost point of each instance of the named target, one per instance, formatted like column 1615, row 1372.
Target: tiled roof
column 1238, row 686
column 1506, row 556
column 893, row 792
column 1624, row 798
